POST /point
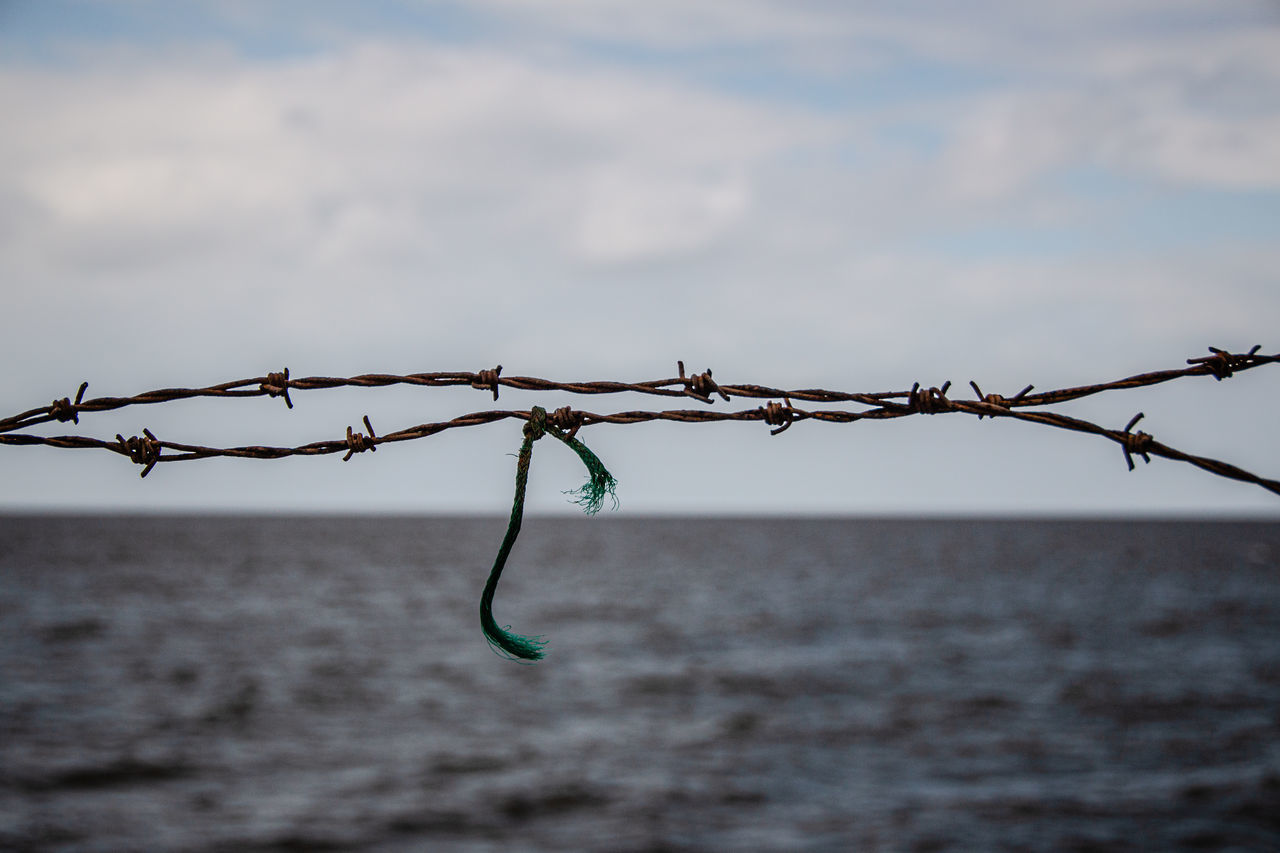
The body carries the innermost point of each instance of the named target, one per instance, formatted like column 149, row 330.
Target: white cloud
column 402, row 205
column 334, row 151
column 1182, row 92
column 630, row 216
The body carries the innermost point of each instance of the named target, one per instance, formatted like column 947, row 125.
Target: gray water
column 182, row 684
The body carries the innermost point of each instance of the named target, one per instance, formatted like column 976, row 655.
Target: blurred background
column 843, row 195
column 208, row 685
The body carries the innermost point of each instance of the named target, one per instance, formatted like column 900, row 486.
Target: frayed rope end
column 513, row 646
column 591, row 496
column 600, row 483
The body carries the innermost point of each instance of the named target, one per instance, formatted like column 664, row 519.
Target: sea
column 758, row 684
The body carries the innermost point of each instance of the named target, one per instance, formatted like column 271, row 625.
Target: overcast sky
column 847, row 195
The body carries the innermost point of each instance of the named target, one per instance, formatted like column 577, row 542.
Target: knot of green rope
column 590, row 497
column 536, row 427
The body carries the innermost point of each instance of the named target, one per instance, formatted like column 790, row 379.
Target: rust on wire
column 1136, row 442
column 884, row 405
column 145, row 451
column 358, row 442
column 566, row 419
column 997, row 400
column 929, row 401
column 775, row 414
column 277, row 385
column 488, row 379
column 700, row 386
column 1223, row 364
column 64, row 410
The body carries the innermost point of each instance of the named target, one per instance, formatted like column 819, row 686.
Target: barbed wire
column 780, row 412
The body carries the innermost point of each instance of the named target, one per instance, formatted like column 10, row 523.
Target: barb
column 277, row 385
column 145, row 451
column 884, row 405
column 359, row 442
column 64, row 410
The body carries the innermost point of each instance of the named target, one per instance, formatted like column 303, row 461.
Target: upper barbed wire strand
column 1221, row 364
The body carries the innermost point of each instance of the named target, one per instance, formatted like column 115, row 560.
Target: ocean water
column 275, row 684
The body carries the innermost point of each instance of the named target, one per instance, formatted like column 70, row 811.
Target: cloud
column 334, row 152
column 803, row 194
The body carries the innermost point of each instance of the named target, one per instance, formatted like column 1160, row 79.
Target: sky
column 847, row 195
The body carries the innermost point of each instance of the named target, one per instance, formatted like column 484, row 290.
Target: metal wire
column 149, row 451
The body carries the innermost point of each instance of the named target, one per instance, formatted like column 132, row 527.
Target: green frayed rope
column 590, row 497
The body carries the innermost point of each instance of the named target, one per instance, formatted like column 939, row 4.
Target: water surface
column 271, row 684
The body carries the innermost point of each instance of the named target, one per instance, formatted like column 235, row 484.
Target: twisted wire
column 150, row 451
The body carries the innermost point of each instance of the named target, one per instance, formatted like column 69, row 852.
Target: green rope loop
column 590, row 497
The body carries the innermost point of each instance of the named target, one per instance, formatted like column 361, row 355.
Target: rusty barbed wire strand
column 1221, row 365
column 150, row 451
